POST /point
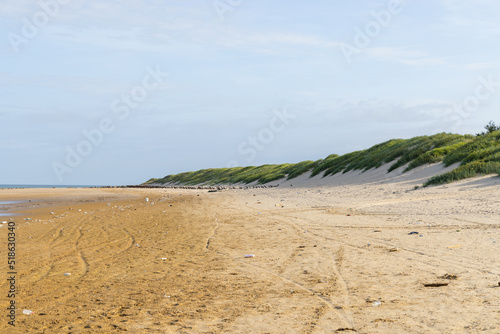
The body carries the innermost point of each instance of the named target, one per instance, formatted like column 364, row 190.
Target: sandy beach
column 354, row 253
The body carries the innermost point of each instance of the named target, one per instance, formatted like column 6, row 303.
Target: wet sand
column 335, row 258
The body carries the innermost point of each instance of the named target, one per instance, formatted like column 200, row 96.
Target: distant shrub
column 490, row 127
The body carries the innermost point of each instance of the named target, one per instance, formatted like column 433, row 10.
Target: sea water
column 24, row 186
column 2, row 203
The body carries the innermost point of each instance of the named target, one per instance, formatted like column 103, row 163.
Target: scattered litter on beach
column 28, row 312
column 411, row 233
column 67, row 274
column 248, row 255
column 163, row 258
column 4, row 222
column 395, row 249
column 435, row 285
column 448, row 276
column 146, row 199
column 376, row 303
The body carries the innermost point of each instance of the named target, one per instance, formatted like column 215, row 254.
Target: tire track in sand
column 343, row 286
column 338, row 310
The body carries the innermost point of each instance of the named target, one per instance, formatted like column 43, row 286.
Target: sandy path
column 323, row 256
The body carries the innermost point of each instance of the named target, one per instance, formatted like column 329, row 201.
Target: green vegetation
column 470, row 170
column 477, row 155
column 261, row 174
column 415, row 151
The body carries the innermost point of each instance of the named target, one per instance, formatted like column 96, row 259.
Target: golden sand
column 325, row 259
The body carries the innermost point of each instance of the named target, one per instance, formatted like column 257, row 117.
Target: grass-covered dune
column 477, row 155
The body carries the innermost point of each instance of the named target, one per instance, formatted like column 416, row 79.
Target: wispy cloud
column 153, row 26
column 87, row 86
column 291, row 39
column 17, row 8
column 481, row 66
column 405, row 56
column 479, row 17
column 19, row 145
column 378, row 110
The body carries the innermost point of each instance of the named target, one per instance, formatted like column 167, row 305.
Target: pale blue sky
column 233, row 65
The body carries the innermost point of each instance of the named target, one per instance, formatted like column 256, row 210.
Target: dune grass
column 260, row 174
column 416, row 151
column 477, row 155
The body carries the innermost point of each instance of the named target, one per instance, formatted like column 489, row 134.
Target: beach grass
column 477, row 155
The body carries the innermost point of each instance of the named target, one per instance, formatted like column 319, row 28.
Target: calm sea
column 12, row 186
